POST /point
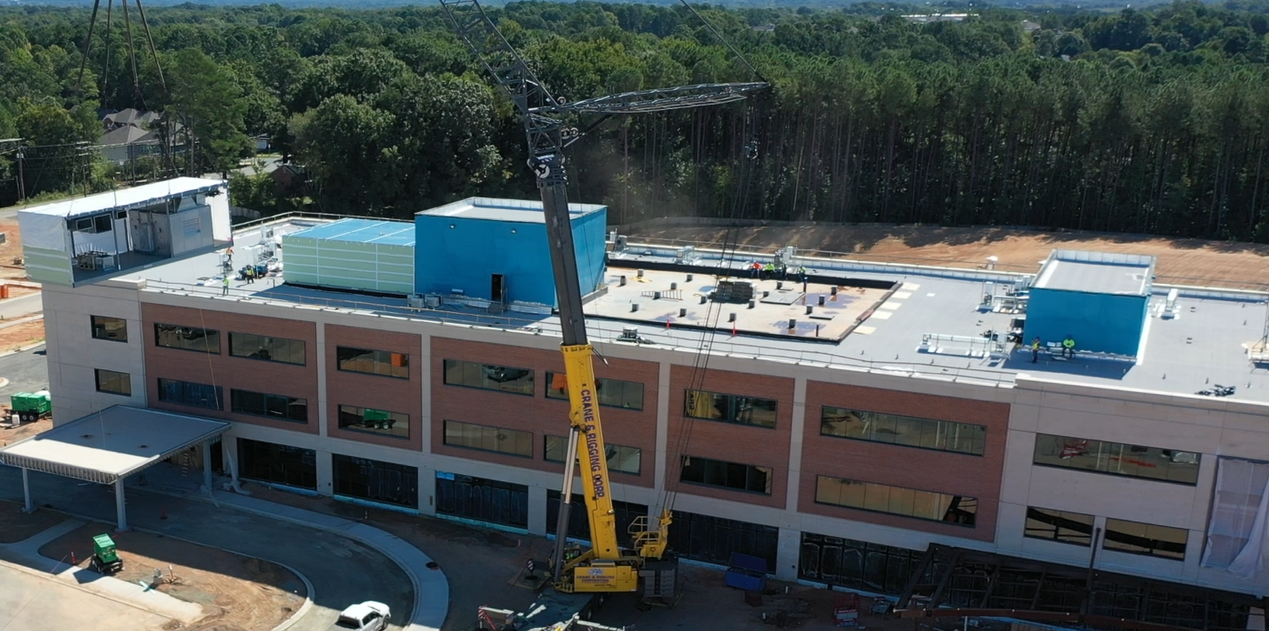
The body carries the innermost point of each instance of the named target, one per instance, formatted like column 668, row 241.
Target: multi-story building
column 880, row 427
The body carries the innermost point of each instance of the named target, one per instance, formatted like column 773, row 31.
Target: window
column 491, row 501
column 269, row 405
column 895, row 500
column 730, row 408
column 620, row 459
column 500, row 378
column 187, row 338
column 726, row 475
column 1061, row 526
column 1139, row 538
column 373, row 362
column 274, row 349
column 908, row 431
column 505, row 441
column 612, row 392
column 1154, row 463
column 376, row 481
column 280, row 464
column 377, row 421
column 713, row 539
column 112, row 382
column 107, row 328
column 199, row 395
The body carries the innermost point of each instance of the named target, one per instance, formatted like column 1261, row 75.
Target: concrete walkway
column 347, row 562
column 25, row 556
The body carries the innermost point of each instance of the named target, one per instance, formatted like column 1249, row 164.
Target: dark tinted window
column 275, row 349
column 187, row 338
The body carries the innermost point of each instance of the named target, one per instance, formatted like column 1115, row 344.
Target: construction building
column 885, row 428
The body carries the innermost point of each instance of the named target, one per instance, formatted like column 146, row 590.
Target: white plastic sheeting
column 46, row 232
column 1240, row 507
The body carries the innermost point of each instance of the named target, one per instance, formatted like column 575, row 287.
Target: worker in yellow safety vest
column 1035, row 350
column 1068, row 347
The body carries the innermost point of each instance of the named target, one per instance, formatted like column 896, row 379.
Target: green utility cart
column 31, row 406
column 105, row 558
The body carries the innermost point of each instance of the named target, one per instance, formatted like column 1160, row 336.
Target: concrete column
column 207, row 465
column 229, row 451
column 427, row 491
column 27, row 506
column 424, row 366
column 663, row 430
column 320, row 353
column 537, row 510
column 121, row 512
column 325, row 473
column 788, row 549
column 795, row 446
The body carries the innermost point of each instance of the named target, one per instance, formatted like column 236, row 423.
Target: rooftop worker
column 1068, row 346
column 768, row 270
column 225, row 283
column 1035, row 350
column 755, row 268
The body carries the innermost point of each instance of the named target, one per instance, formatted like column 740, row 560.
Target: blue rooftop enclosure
column 1100, row 299
column 477, row 244
column 359, row 254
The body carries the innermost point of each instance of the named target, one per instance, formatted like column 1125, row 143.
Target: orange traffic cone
column 163, row 512
column 73, row 561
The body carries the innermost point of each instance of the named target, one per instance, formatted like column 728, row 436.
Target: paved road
column 26, row 371
column 21, row 306
column 342, row 571
column 29, row 601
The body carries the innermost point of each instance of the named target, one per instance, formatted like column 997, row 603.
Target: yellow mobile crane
column 605, row 567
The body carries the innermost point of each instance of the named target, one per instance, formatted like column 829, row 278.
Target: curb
column 285, row 624
column 24, row 349
column 350, row 533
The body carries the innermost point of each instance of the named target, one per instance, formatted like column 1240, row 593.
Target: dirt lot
column 16, row 525
column 239, row 593
column 11, row 249
column 481, row 566
column 22, row 334
column 9, row 436
column 1182, row 261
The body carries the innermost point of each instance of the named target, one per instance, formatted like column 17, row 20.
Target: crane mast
column 605, row 567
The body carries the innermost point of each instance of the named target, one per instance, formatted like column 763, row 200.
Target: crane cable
column 700, row 365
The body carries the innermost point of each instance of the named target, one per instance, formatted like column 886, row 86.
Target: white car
column 368, row 616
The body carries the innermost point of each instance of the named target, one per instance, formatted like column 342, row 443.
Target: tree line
column 1153, row 120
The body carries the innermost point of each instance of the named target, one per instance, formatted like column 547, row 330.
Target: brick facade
column 731, row 442
column 227, row 371
column 909, row 467
column 537, row 414
column 378, row 392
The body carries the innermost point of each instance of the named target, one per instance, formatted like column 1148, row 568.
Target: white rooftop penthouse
column 75, row 240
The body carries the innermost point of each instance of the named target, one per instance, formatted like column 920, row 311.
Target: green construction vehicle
column 31, row 406
column 105, row 558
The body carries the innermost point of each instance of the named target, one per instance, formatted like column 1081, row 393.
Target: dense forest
column 1153, row 120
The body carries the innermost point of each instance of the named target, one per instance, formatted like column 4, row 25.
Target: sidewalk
column 431, row 590
column 24, row 556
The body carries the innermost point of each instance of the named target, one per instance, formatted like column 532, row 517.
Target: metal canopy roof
column 111, row 444
column 125, row 198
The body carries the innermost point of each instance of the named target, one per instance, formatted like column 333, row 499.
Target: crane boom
column 605, row 567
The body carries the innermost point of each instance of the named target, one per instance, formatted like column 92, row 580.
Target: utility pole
column 21, row 178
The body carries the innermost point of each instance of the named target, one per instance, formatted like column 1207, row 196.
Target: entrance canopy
column 110, row 445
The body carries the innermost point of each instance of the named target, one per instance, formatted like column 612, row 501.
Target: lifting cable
column 700, row 365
